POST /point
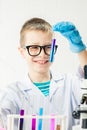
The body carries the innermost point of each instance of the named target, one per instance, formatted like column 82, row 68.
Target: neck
column 40, row 77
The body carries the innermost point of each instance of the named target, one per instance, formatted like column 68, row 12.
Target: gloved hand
column 68, row 30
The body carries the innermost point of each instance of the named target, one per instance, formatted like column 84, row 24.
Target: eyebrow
column 37, row 43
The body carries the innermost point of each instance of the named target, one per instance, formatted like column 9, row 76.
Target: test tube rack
column 49, row 122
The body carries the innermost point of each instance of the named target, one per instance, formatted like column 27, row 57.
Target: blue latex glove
column 68, row 30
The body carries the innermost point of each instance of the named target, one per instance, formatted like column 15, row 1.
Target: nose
column 42, row 53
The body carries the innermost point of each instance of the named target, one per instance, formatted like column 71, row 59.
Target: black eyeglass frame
column 41, row 47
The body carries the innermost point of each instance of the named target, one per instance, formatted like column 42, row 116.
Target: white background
column 13, row 13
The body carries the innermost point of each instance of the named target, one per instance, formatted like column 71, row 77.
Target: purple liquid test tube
column 21, row 119
column 52, row 123
column 33, row 122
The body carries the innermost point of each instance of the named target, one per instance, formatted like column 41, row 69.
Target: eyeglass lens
column 35, row 50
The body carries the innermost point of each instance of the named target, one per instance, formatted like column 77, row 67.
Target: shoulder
column 64, row 76
column 68, row 80
column 16, row 88
column 9, row 89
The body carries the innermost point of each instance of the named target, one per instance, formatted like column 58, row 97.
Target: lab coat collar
column 56, row 82
column 57, row 76
column 28, row 85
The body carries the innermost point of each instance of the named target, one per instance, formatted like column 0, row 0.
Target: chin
column 42, row 70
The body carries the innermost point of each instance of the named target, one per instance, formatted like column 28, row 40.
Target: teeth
column 42, row 62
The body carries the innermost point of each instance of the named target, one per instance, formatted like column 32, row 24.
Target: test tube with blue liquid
column 40, row 120
column 52, row 50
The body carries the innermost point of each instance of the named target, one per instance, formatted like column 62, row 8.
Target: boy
column 57, row 94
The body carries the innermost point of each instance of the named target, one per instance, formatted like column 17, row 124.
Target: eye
column 48, row 47
column 34, row 47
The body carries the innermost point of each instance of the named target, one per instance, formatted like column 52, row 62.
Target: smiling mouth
column 42, row 62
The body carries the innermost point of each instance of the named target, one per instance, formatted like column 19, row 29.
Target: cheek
column 30, row 61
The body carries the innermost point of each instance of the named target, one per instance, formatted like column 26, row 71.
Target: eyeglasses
column 35, row 50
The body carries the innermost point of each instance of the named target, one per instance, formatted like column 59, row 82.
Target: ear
column 22, row 51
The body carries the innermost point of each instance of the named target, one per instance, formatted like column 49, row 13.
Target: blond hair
column 34, row 24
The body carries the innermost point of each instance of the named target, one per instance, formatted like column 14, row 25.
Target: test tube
column 52, row 50
column 40, row 120
column 52, row 123
column 21, row 119
column 33, row 122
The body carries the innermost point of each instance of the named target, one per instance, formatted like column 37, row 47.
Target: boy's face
column 39, row 63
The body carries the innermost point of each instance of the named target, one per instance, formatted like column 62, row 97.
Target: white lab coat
column 64, row 97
